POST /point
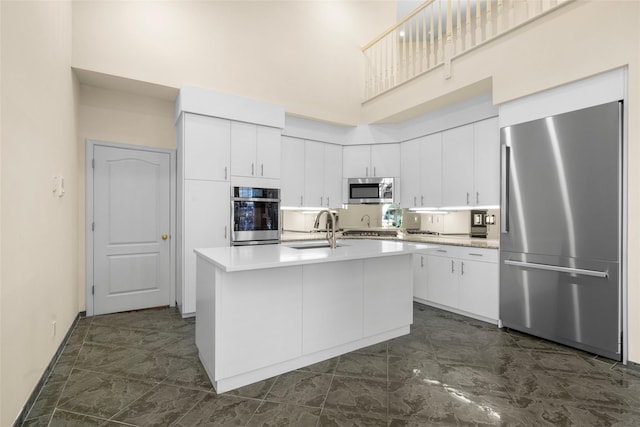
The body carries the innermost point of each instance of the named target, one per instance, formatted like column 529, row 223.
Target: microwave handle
column 366, row 171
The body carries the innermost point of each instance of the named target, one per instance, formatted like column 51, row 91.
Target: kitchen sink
column 315, row 246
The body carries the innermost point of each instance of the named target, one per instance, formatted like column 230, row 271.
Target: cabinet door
column 419, row 276
column 410, row 173
column 442, row 280
column 206, row 148
column 313, row 173
column 387, row 293
column 339, row 286
column 332, row 175
column 268, row 152
column 206, row 225
column 385, row 160
column 457, row 166
column 479, row 288
column 431, row 171
column 486, row 167
column 356, row 161
column 272, row 334
column 292, row 179
column 243, row 149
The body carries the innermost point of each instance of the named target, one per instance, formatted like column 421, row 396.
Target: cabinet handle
column 301, row 202
column 252, row 169
column 477, row 198
column 328, row 201
column 421, row 200
column 441, row 250
column 366, row 171
column 421, row 261
column 262, row 169
column 225, row 231
column 467, row 197
column 320, row 200
column 452, row 270
column 374, row 171
column 462, row 268
column 472, row 254
column 225, row 173
column 415, row 202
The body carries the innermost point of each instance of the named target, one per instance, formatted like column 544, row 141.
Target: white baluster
column 440, row 34
column 423, row 56
column 432, row 54
column 512, row 15
column 488, row 29
column 448, row 49
column 499, row 26
column 467, row 33
column 458, row 29
column 478, row 23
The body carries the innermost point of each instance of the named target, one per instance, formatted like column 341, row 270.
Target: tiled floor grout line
column 75, row 360
column 190, row 409
column 324, row 401
column 262, row 401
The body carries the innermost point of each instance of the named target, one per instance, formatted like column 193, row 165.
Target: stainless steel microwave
column 370, row 190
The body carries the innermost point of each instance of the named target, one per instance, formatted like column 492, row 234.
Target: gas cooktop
column 371, row 233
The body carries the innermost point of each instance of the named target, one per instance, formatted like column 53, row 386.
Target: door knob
column 164, row 236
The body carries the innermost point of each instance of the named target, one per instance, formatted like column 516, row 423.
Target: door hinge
column 93, row 290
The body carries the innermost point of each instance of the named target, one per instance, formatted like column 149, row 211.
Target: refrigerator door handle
column 504, row 200
column 593, row 273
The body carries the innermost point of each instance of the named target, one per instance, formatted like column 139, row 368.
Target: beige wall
column 39, row 230
column 304, row 55
column 113, row 116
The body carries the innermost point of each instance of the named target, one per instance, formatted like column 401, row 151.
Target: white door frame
column 89, row 146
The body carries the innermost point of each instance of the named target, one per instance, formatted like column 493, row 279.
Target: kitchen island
column 265, row 310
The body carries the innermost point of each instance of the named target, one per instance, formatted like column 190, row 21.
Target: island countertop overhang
column 256, row 257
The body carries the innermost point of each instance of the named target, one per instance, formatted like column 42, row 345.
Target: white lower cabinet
column 464, row 280
column 339, row 287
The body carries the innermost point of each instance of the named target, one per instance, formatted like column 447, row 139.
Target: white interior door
column 131, row 237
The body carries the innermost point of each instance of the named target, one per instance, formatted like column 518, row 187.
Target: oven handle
column 593, row 273
column 254, row 199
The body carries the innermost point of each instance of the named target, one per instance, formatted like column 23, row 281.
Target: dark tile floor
column 141, row 369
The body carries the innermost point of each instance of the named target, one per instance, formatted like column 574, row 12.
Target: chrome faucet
column 368, row 220
column 331, row 236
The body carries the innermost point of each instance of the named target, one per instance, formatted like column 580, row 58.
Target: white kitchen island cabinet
column 265, row 310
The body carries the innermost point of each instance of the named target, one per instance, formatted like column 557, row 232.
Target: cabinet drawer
column 479, row 254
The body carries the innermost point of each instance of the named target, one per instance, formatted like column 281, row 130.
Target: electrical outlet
column 53, row 325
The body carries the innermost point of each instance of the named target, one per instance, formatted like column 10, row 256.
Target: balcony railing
column 438, row 31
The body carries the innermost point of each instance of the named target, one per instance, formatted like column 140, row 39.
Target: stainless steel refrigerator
column 560, row 240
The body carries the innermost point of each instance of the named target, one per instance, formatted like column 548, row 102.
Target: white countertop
column 242, row 258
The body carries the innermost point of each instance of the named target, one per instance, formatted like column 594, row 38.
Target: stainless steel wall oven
column 255, row 216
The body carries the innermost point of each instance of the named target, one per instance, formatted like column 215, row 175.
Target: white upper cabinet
column 421, row 174
column 377, row 160
column 486, row 166
column 206, row 148
column 410, row 190
column 292, row 172
column 356, row 161
column 323, row 180
column 457, row 166
column 431, row 171
column 332, row 175
column 385, row 160
column 311, row 173
column 255, row 150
